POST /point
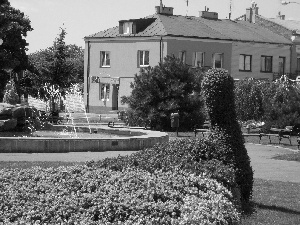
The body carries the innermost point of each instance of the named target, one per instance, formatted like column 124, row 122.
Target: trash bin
column 174, row 120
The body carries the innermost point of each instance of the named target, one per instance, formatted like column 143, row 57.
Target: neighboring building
column 290, row 29
column 114, row 56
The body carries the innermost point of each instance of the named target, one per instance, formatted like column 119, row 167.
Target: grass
column 275, row 203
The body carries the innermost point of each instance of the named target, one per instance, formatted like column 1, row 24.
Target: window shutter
column 138, row 59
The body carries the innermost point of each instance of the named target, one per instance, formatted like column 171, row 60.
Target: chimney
column 251, row 13
column 281, row 17
column 164, row 10
column 208, row 15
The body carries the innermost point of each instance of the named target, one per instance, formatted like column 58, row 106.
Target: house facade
column 290, row 29
column 114, row 56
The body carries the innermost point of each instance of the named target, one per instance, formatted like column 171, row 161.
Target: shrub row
column 91, row 195
column 197, row 156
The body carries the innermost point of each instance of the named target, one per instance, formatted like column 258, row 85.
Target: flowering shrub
column 90, row 195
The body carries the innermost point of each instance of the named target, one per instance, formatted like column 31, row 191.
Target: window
column 266, row 64
column 104, row 91
column 245, row 62
column 143, row 58
column 127, row 28
column 182, row 56
column 104, row 59
column 218, row 60
column 198, row 59
column 281, row 65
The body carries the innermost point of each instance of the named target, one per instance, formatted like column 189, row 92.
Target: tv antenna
column 230, row 8
column 187, row 5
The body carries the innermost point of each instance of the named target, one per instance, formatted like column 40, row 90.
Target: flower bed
column 91, row 195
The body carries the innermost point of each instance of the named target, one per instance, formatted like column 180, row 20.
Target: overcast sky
column 84, row 17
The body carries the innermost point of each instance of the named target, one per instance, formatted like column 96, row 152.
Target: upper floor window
column 198, row 59
column 143, row 57
column 127, row 28
column 266, row 64
column 182, row 55
column 245, row 62
column 218, row 60
column 104, row 59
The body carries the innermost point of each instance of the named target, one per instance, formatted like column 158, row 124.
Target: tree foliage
column 249, row 99
column 276, row 103
column 58, row 67
column 14, row 26
column 166, row 88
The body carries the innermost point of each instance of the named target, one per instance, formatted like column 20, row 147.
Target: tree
column 55, row 69
column 249, row 99
column 14, row 26
column 169, row 87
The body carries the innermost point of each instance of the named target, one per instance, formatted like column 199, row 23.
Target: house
column 114, row 56
column 290, row 29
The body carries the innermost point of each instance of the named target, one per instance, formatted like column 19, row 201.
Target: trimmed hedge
column 198, row 156
column 218, row 91
column 90, row 195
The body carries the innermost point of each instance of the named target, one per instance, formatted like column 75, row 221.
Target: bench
column 280, row 136
column 254, row 135
column 203, row 131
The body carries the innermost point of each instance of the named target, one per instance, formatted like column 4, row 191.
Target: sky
column 81, row 18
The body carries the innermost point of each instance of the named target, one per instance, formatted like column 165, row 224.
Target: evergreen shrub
column 218, row 91
column 169, row 87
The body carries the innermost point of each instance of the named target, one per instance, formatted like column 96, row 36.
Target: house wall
column 256, row 50
column 196, row 45
column 123, row 65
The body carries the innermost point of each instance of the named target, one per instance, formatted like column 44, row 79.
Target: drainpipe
column 161, row 50
column 88, row 81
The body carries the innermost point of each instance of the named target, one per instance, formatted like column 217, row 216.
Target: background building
column 114, row 56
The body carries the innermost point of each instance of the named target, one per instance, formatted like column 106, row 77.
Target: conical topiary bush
column 218, row 91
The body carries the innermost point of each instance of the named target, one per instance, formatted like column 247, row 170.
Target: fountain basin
column 136, row 139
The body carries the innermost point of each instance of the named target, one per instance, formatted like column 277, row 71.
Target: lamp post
column 286, row 2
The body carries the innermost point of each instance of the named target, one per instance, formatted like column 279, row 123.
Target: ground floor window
column 198, row 59
column 281, row 65
column 218, row 60
column 104, row 91
column 182, row 56
column 245, row 62
column 266, row 64
column 298, row 65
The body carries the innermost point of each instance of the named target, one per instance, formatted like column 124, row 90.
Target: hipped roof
column 198, row 27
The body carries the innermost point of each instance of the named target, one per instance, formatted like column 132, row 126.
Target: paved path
column 261, row 160
column 270, row 169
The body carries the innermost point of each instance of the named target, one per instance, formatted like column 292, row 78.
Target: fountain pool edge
column 141, row 139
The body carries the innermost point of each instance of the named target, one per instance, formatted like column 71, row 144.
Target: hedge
column 90, row 195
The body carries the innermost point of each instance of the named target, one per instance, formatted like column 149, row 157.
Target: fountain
column 31, row 135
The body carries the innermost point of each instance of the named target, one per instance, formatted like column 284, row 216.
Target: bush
column 196, row 156
column 167, row 88
column 86, row 195
column 218, row 90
